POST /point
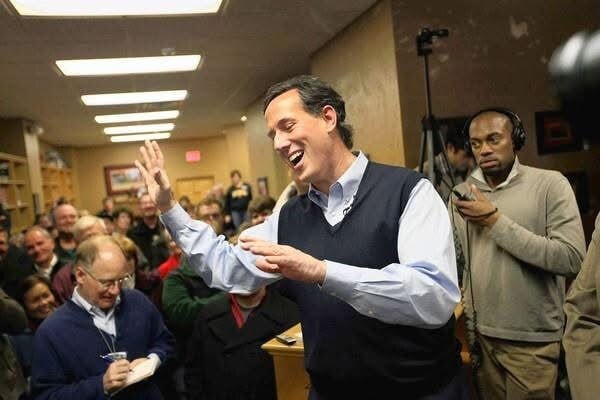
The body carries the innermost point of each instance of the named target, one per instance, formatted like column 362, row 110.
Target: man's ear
column 79, row 274
column 330, row 117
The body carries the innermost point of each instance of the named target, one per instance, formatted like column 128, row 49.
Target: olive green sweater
column 518, row 266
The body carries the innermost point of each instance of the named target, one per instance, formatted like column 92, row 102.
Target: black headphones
column 518, row 132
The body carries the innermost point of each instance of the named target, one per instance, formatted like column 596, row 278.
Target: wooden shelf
column 56, row 183
column 15, row 192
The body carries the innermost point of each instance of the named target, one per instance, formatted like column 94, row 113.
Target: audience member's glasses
column 210, row 217
column 111, row 283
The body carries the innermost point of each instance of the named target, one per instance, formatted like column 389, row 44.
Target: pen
column 110, row 357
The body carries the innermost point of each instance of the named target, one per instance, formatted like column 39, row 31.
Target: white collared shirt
column 104, row 321
column 46, row 272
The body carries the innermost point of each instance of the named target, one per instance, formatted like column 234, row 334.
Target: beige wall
column 237, row 147
column 264, row 161
column 91, row 161
column 360, row 64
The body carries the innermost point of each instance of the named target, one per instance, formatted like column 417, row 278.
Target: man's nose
column 115, row 289
column 485, row 148
column 280, row 141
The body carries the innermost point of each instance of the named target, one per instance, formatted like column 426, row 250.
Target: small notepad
column 143, row 370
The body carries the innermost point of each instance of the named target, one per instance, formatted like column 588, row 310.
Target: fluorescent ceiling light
column 137, row 138
column 133, row 117
column 128, row 66
column 118, row 130
column 133, row 97
column 99, row 8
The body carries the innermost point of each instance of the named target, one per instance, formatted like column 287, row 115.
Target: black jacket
column 226, row 362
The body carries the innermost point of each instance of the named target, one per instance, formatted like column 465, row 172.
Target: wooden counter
column 290, row 375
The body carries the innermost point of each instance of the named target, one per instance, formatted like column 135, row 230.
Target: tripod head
column 425, row 37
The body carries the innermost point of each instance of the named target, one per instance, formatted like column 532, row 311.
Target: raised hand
column 155, row 176
column 286, row 260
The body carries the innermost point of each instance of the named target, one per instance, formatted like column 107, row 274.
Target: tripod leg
column 422, row 150
column 430, row 155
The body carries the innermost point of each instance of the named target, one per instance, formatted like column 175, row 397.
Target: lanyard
column 112, row 349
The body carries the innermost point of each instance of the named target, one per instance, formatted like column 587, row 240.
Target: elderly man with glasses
column 87, row 348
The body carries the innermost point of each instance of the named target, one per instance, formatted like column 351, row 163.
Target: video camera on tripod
column 431, row 139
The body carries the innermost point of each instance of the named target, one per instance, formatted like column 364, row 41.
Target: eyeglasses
column 110, row 283
column 210, row 217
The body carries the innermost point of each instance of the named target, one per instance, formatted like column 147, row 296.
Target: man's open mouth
column 295, row 157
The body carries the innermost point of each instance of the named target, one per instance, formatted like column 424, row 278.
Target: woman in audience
column 37, row 298
column 122, row 219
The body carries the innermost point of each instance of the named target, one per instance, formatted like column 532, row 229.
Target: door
column 196, row 188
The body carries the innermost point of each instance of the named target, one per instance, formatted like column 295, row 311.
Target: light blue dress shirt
column 421, row 290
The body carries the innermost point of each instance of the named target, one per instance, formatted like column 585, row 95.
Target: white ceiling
column 249, row 45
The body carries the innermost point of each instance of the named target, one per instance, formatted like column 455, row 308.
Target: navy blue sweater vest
column 348, row 354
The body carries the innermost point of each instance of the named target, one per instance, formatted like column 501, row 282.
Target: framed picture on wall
column 263, row 186
column 554, row 135
column 122, row 179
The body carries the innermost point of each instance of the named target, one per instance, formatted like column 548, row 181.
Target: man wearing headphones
column 522, row 236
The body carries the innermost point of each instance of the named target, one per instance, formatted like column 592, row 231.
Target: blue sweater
column 67, row 348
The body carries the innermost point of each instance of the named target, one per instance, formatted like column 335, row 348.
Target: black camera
column 575, row 70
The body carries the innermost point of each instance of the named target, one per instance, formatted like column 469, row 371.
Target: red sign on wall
column 192, row 156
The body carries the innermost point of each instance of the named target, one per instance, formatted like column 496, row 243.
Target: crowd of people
column 117, row 282
column 372, row 259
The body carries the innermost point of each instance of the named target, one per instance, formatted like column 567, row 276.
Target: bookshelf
column 56, row 183
column 15, row 191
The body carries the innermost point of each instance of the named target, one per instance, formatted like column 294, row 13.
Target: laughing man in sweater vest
column 522, row 236
column 367, row 254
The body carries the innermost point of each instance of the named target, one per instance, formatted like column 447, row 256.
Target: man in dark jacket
column 224, row 359
column 12, row 320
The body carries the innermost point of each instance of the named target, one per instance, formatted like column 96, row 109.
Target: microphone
column 347, row 209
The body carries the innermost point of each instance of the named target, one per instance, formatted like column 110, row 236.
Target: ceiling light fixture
column 244, row 118
column 104, row 8
column 118, row 130
column 135, row 117
column 128, row 66
column 138, row 138
column 133, row 97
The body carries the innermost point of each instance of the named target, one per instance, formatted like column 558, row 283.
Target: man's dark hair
column 209, row 201
column 315, row 94
column 235, row 172
column 455, row 138
column 261, row 204
column 122, row 210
